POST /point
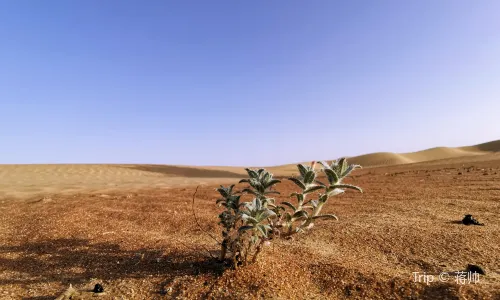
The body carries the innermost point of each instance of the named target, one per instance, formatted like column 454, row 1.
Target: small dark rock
column 469, row 220
column 475, row 269
column 459, row 173
column 98, row 288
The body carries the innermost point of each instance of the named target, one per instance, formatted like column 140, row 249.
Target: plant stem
column 258, row 250
column 223, row 249
column 247, row 251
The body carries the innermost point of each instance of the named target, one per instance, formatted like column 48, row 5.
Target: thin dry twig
column 198, row 223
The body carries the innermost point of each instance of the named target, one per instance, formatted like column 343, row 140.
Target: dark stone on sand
column 98, row 288
column 469, row 220
column 475, row 269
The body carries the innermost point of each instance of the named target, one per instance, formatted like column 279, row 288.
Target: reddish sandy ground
column 144, row 244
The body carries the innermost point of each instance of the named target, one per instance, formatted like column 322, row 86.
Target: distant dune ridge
column 21, row 181
column 389, row 158
column 380, row 159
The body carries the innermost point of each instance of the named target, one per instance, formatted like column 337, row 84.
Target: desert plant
column 308, row 183
column 228, row 218
column 304, row 213
column 247, row 226
column 261, row 182
column 257, row 227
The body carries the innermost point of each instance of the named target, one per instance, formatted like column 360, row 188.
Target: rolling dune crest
column 24, row 181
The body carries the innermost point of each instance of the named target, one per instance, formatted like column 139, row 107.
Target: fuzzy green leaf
column 309, row 178
column 252, row 173
column 271, row 205
column 272, row 182
column 244, row 228
column 257, row 204
column 346, row 186
column 260, row 188
column 301, row 214
column 334, row 192
column 267, row 214
column 223, row 193
column 350, row 169
column 248, row 219
column 249, row 191
column 298, row 182
column 328, row 217
column 270, row 200
column 263, row 230
column 342, row 165
column 312, row 189
column 271, row 192
column 323, row 198
column 289, row 205
column 300, row 196
column 320, row 183
column 324, row 164
column 267, row 227
column 302, row 170
column 265, row 176
column 333, row 178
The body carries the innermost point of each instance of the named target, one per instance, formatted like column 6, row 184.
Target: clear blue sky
column 244, row 82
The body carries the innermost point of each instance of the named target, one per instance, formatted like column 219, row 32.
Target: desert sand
column 25, row 181
column 131, row 228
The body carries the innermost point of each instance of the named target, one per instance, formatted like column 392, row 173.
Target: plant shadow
column 77, row 261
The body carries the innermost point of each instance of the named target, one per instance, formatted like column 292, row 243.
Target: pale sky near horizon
column 244, row 82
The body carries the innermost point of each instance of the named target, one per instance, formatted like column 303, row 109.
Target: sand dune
column 388, row 158
column 437, row 153
column 21, row 181
column 493, row 146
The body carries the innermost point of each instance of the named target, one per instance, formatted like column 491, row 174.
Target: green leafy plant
column 228, row 218
column 309, row 211
column 261, row 183
column 247, row 226
column 257, row 229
